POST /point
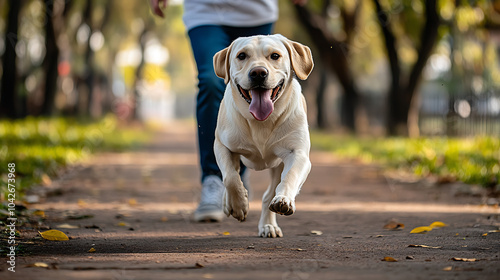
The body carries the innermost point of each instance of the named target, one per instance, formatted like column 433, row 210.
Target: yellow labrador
column 262, row 122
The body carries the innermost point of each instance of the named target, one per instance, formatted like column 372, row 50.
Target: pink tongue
column 261, row 106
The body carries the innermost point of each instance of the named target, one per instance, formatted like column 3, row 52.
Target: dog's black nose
column 258, row 74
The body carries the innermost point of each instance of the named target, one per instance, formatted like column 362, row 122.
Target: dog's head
column 260, row 68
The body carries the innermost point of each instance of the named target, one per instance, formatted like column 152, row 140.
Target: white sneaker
column 210, row 207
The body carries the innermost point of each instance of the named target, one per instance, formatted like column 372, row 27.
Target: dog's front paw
column 236, row 204
column 282, row 205
column 269, row 230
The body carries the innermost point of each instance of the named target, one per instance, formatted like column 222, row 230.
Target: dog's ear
column 300, row 57
column 221, row 64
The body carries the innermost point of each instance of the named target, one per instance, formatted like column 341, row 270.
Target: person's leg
column 205, row 42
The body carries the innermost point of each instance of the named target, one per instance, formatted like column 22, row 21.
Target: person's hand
column 155, row 6
column 299, row 2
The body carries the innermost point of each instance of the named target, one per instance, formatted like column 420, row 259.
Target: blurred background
column 73, row 71
column 383, row 67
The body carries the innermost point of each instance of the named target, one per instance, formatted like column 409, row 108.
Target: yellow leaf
column 485, row 234
column 438, row 224
column 448, row 268
column 421, row 230
column 389, row 259
column 40, row 213
column 226, row 233
column 123, row 224
column 66, row 226
column 38, row 264
column 92, row 250
column 82, row 203
column 54, row 235
column 132, row 202
column 46, row 179
column 464, row 260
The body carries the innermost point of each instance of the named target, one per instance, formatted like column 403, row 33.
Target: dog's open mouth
column 261, row 100
column 247, row 93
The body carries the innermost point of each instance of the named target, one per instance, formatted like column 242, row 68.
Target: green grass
column 42, row 147
column 471, row 160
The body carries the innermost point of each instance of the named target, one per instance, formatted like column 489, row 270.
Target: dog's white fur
column 279, row 143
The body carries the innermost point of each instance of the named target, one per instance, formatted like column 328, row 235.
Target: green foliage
column 41, row 147
column 473, row 161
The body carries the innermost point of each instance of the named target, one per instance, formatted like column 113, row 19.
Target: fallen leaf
column 82, row 203
column 438, row 224
column 298, row 249
column 410, row 257
column 251, row 247
column 464, row 260
column 164, row 219
column 496, row 230
column 38, row 264
column 79, row 217
column 389, row 259
column 46, row 179
column 484, row 234
column 316, row 232
column 92, row 250
column 123, row 224
column 68, row 226
column 132, row 202
column 393, row 225
column 424, row 246
column 199, row 265
column 226, row 233
column 421, row 230
column 54, row 235
column 40, row 213
column 448, row 268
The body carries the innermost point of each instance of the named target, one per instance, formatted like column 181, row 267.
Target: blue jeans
column 206, row 41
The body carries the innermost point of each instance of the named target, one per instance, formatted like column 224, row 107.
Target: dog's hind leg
column 268, row 227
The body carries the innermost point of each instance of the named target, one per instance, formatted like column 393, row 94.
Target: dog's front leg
column 268, row 227
column 296, row 168
column 236, row 196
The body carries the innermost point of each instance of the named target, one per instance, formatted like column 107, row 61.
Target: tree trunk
column 50, row 62
column 138, row 75
column 428, row 39
column 402, row 107
column 320, row 100
column 336, row 55
column 89, row 59
column 8, row 95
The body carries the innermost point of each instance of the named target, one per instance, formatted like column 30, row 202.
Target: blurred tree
column 335, row 53
column 402, row 109
column 55, row 13
column 9, row 106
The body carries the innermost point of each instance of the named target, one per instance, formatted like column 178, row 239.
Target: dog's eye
column 242, row 56
column 275, row 56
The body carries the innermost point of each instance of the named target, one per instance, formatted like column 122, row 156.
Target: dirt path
column 140, row 206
